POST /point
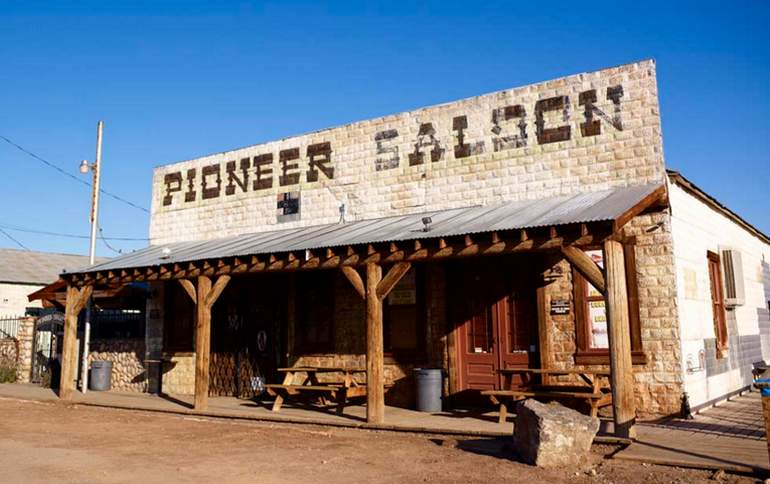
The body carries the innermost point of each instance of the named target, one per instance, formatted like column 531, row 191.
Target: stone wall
column 659, row 381
column 127, row 357
column 17, row 352
column 580, row 133
column 25, row 337
column 179, row 374
column 9, row 352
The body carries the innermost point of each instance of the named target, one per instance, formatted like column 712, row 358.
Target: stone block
column 551, row 435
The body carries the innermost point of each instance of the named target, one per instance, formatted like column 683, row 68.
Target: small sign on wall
column 559, row 306
column 405, row 292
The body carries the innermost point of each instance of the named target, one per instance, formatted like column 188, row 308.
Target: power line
column 13, row 239
column 104, row 240
column 71, row 236
column 70, row 175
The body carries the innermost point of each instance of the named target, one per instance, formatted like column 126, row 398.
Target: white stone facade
column 531, row 142
column 698, row 228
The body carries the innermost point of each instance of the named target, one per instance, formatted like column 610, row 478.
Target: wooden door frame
column 541, row 334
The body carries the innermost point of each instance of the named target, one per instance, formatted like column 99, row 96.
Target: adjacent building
column 24, row 271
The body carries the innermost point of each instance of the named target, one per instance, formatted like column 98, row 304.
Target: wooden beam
column 216, row 291
column 202, row 345
column 658, row 197
column 206, row 297
column 76, row 301
column 375, row 379
column 355, row 279
column 586, row 266
column 390, row 280
column 619, row 332
column 544, row 331
column 189, row 288
column 385, row 253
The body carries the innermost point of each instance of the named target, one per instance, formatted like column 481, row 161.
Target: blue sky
column 175, row 80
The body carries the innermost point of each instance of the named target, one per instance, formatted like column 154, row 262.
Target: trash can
column 429, row 386
column 101, row 372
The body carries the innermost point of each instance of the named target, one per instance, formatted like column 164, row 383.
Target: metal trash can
column 101, row 372
column 429, row 386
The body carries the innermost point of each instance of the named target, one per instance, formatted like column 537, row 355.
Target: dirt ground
column 44, row 442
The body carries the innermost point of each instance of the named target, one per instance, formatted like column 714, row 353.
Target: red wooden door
column 496, row 324
column 517, row 323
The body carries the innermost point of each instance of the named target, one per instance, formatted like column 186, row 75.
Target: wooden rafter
column 390, row 280
column 498, row 242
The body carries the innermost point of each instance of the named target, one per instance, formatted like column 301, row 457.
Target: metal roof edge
column 678, row 179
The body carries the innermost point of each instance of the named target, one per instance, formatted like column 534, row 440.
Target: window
column 178, row 330
column 288, row 207
column 591, row 314
column 717, row 303
column 403, row 317
column 117, row 323
column 315, row 313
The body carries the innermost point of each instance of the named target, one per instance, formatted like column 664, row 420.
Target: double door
column 495, row 321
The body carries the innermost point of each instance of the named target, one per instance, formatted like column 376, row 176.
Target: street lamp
column 85, row 167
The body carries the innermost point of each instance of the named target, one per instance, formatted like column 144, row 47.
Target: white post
column 92, row 253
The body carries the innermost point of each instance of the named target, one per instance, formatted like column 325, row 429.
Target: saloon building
column 533, row 227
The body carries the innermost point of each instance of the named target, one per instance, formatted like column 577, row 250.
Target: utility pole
column 95, row 170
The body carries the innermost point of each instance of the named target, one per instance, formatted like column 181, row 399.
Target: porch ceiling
column 611, row 208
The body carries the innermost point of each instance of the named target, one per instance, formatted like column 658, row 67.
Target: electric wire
column 17, row 228
column 70, row 175
column 107, row 244
column 13, row 239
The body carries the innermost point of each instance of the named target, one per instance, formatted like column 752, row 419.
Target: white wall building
column 700, row 225
column 23, row 272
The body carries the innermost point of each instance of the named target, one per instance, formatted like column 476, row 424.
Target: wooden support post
column 375, row 379
column 377, row 288
column 207, row 296
column 543, row 332
column 291, row 320
column 76, row 301
column 622, row 375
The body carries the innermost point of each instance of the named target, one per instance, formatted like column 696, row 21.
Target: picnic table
column 589, row 388
column 304, row 379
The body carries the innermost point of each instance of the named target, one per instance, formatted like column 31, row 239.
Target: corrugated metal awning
column 607, row 206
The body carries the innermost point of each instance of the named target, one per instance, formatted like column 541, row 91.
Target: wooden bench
column 338, row 391
column 500, row 397
column 588, row 389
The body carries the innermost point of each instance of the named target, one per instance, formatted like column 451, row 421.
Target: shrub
column 7, row 374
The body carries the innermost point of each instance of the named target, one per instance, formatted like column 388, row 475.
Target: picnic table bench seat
column 338, row 391
column 595, row 400
column 589, row 388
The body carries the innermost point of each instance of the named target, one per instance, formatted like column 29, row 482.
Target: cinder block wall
column 698, row 228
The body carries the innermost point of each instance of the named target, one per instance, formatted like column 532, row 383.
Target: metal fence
column 9, row 326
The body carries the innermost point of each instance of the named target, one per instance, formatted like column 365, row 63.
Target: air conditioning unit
column 732, row 271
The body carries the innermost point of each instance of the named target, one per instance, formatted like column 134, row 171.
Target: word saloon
column 508, row 129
